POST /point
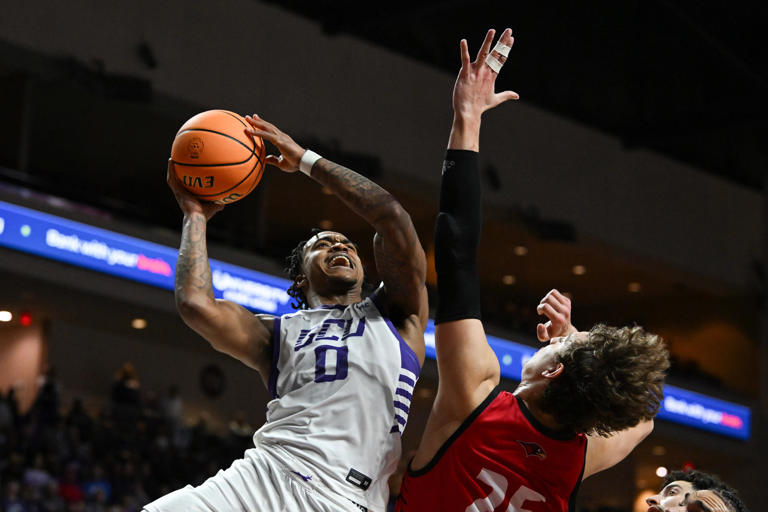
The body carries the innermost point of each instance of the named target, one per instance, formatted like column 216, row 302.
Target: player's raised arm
column 468, row 367
column 400, row 258
column 227, row 326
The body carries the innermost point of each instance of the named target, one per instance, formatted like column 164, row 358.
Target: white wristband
column 308, row 159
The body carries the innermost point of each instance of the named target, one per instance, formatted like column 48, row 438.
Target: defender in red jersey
column 585, row 400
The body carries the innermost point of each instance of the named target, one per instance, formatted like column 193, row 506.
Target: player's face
column 671, row 498
column 331, row 258
column 546, row 357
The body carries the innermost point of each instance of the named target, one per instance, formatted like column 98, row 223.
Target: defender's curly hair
column 611, row 380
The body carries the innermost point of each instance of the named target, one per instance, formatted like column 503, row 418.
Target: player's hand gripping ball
column 215, row 159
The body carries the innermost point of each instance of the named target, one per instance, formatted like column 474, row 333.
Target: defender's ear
column 553, row 372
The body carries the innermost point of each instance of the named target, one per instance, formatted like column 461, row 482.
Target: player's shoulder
column 500, row 402
column 266, row 319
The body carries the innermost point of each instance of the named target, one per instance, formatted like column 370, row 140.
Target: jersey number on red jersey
column 499, row 486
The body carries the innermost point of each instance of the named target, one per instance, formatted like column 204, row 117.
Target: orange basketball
column 216, row 159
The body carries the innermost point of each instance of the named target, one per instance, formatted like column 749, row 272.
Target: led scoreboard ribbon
column 131, row 258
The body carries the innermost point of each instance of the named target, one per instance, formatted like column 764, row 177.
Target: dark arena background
column 632, row 174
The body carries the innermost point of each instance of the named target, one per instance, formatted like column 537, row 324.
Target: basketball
column 215, row 159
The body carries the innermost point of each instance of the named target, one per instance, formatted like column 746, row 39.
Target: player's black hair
column 698, row 479
column 732, row 500
column 701, row 480
column 293, row 268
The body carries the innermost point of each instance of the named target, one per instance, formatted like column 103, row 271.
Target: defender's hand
column 474, row 93
column 188, row 203
column 290, row 152
column 557, row 308
column 705, row 501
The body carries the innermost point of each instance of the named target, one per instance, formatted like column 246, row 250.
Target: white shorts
column 256, row 483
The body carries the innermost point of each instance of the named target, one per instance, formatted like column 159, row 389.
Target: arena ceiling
column 684, row 78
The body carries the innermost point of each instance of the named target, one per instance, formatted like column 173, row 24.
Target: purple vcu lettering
column 324, row 332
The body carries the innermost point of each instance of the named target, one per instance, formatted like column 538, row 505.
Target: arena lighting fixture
column 5, row 316
column 508, row 279
column 520, row 250
column 661, row 471
column 579, row 270
column 138, row 323
column 659, row 451
column 634, row 287
column 325, row 224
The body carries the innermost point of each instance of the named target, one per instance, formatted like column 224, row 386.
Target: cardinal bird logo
column 533, row 450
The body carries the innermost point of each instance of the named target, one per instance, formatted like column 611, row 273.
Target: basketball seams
column 182, row 164
column 256, row 181
column 219, row 124
column 251, row 137
column 242, row 122
column 259, row 157
column 261, row 170
column 252, row 150
column 236, row 116
column 263, row 157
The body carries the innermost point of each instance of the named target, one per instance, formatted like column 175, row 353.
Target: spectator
column 126, row 398
column 70, row 488
column 50, row 501
column 173, row 414
column 79, row 419
column 6, row 414
column 48, row 399
column 12, row 501
column 98, row 483
column 37, row 476
column 96, row 501
column 13, row 404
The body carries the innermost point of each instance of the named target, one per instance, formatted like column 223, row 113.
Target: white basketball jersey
column 341, row 382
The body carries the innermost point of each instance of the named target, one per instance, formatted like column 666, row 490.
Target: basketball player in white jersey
column 341, row 372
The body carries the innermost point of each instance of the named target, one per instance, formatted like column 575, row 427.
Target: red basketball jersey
column 501, row 459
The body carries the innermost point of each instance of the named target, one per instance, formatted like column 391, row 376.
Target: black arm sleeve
column 457, row 235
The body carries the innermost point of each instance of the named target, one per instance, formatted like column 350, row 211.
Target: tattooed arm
column 227, row 326
column 400, row 258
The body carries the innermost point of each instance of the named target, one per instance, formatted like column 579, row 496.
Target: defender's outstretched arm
column 468, row 367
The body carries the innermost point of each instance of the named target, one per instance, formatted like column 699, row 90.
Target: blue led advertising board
column 138, row 260
column 131, row 258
